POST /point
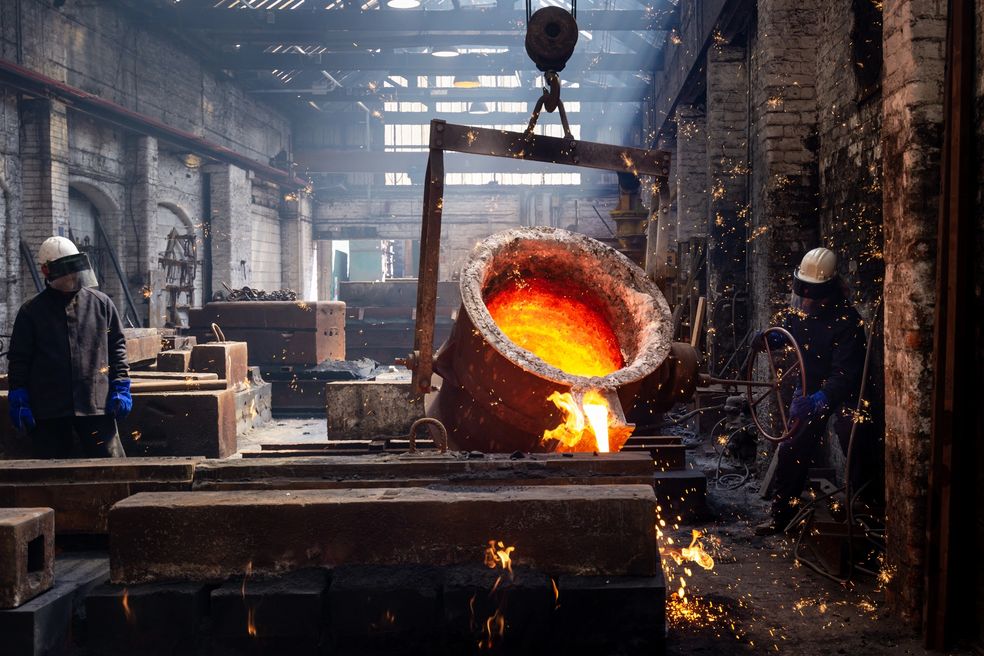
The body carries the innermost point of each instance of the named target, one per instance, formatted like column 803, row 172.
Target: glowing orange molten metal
column 588, row 425
column 558, row 325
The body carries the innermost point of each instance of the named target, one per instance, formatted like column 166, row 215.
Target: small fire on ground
column 493, row 629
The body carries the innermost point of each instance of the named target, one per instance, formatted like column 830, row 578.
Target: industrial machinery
column 498, row 395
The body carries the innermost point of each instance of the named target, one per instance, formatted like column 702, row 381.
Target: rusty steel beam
column 312, row 23
column 35, row 83
column 950, row 530
column 608, row 95
column 424, row 64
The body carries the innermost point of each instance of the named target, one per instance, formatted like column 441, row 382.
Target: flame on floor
column 127, row 611
column 497, row 555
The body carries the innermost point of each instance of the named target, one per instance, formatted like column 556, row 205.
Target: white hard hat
column 817, row 266
column 55, row 248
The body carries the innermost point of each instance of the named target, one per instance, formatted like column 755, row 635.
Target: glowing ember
column 127, row 612
column 588, row 424
column 251, row 622
column 559, row 326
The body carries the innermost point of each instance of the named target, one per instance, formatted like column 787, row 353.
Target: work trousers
column 806, row 449
column 97, row 436
column 796, row 456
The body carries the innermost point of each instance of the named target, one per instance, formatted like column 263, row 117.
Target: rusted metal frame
column 42, row 86
column 552, row 150
column 951, row 505
column 497, row 143
column 422, row 358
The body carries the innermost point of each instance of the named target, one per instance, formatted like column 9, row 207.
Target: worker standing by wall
column 831, row 337
column 68, row 368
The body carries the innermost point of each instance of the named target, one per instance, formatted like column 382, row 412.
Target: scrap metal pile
column 250, row 294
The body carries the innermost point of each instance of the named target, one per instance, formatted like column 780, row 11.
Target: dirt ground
column 761, row 601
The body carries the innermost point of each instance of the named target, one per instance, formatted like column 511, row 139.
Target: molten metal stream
column 558, row 325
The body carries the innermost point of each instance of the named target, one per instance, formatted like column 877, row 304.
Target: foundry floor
column 766, row 603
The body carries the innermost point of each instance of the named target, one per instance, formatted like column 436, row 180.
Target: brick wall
column 728, row 208
column 264, row 221
column 132, row 180
column 691, row 172
column 469, row 215
column 849, row 127
column 914, row 34
column 11, row 289
column 94, row 47
column 785, row 222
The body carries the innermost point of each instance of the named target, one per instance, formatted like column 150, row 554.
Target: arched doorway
column 178, row 248
column 82, row 218
column 90, row 208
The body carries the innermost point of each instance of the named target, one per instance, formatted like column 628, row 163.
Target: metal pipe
column 37, row 84
column 119, row 270
column 29, row 261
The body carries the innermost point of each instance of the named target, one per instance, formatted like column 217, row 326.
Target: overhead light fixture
column 466, row 82
column 445, row 52
column 403, row 4
column 480, row 108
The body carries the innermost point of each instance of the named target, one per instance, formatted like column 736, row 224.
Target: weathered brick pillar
column 232, row 238
column 11, row 295
column 785, row 219
column 44, row 180
column 297, row 261
column 912, row 92
column 139, row 259
column 727, row 177
column 691, row 172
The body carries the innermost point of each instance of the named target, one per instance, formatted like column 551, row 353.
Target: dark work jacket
column 65, row 350
column 833, row 344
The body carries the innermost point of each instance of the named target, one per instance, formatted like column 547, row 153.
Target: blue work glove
column 807, row 408
column 20, row 410
column 120, row 402
column 758, row 340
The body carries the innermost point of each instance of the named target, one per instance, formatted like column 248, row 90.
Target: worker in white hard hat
column 831, row 336
column 68, row 372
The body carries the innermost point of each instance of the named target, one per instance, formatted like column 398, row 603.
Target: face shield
column 71, row 273
column 809, row 297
